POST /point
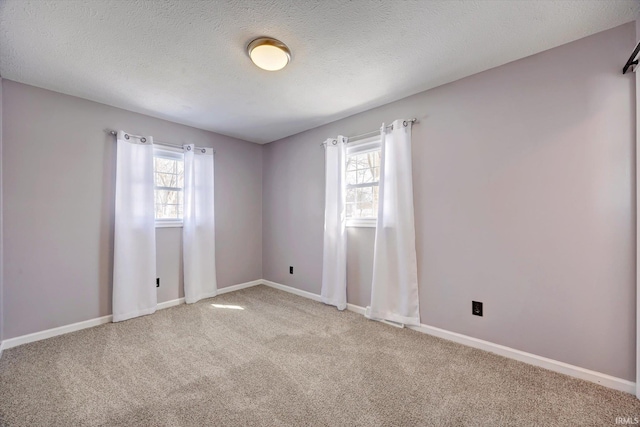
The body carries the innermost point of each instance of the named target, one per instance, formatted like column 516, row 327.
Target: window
column 168, row 167
column 362, row 179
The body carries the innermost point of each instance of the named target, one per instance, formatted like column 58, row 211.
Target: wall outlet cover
column 476, row 308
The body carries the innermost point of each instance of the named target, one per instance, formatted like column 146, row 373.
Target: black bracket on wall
column 632, row 59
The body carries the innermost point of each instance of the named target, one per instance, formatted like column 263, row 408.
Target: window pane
column 364, row 202
column 169, row 172
column 365, row 194
column 351, row 195
column 172, row 197
column 165, row 165
column 365, row 166
column 366, row 176
column 367, row 213
column 363, row 170
column 374, row 158
column 351, row 177
column 350, row 210
column 170, row 211
column 167, row 180
column 168, row 204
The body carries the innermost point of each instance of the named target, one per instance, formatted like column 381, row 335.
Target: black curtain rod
column 632, row 59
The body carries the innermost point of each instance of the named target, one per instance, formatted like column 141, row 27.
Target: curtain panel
column 134, row 259
column 394, row 289
column 198, row 239
column 334, row 253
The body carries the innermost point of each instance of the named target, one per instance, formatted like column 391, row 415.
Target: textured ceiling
column 185, row 61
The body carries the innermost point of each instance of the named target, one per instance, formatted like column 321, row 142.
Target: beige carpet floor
column 262, row 357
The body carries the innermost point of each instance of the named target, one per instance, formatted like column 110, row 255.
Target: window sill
column 169, row 224
column 362, row 222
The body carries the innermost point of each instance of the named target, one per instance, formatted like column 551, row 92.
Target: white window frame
column 362, row 147
column 173, row 154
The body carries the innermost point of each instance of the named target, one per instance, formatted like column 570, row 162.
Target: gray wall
column 524, row 199
column 58, row 168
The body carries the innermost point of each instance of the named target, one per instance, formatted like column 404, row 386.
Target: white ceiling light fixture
column 269, row 54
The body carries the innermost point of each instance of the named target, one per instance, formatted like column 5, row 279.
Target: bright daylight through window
column 362, row 178
column 168, row 169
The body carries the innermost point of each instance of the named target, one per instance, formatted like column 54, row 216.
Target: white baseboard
column 240, row 286
column 220, row 291
column 291, row 290
column 172, row 303
column 532, row 359
column 522, row 356
column 356, row 309
column 49, row 333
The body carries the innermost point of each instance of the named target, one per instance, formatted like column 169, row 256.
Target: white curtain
column 198, row 238
column 134, row 260
column 394, row 292
column 334, row 254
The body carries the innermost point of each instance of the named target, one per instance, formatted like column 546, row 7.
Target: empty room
column 319, row 213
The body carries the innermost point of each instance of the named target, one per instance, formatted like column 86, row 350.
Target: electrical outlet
column 291, row 270
column 476, row 308
column 157, row 282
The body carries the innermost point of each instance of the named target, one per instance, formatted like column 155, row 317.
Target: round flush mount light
column 269, row 54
